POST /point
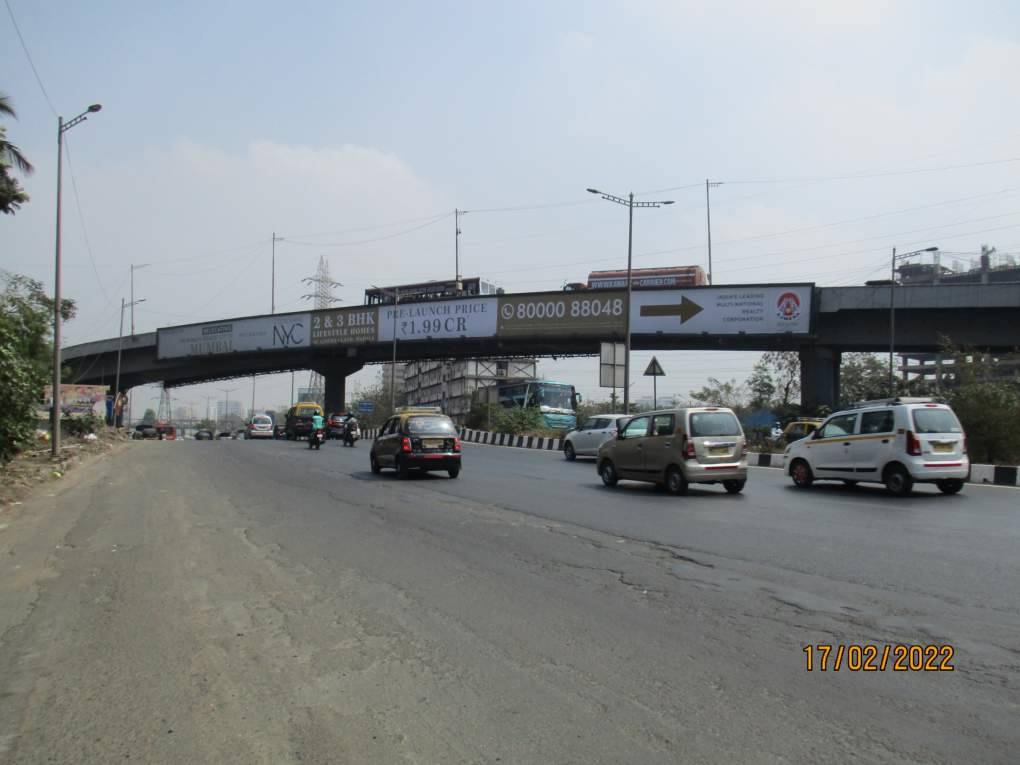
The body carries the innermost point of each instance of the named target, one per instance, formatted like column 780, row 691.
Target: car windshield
column 714, row 424
column 263, row 420
column 430, row 426
column 306, row 411
column 936, row 421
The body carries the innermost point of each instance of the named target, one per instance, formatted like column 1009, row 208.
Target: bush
column 81, row 425
column 517, row 421
column 990, row 415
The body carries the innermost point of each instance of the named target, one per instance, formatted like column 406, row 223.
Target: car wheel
column 801, row 474
column 402, row 470
column 898, row 481
column 568, row 452
column 453, row 472
column 950, row 485
column 733, row 487
column 675, row 481
column 376, row 468
column 608, row 472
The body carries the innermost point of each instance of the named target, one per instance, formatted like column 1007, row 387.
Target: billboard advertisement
column 263, row 333
column 439, row 319
column 748, row 309
column 77, row 399
column 562, row 314
column 345, row 326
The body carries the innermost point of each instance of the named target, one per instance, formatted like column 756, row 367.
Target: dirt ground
column 35, row 467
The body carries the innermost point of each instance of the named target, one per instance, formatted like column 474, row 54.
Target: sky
column 838, row 130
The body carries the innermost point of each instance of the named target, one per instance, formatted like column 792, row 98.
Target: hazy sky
column 344, row 126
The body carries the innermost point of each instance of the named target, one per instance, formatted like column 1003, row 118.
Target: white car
column 261, row 426
column 897, row 442
column 586, row 440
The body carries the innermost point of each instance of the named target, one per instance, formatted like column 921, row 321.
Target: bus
column 471, row 286
column 555, row 400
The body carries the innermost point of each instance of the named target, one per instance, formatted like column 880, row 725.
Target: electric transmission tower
column 322, row 295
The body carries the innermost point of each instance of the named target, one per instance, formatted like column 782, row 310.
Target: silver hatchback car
column 593, row 432
column 676, row 448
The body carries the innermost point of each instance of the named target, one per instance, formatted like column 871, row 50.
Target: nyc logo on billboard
column 286, row 335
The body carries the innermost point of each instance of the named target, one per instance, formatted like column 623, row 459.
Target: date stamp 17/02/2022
column 872, row 657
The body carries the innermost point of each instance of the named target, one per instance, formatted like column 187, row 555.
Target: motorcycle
column 315, row 438
column 351, row 433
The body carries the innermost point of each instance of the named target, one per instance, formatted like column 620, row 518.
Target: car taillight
column 913, row 445
column 744, row 450
column 689, row 453
column 456, row 444
column 405, row 444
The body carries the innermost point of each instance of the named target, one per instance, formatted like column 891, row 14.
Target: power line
column 823, row 179
column 81, row 219
column 538, row 206
column 28, row 55
column 432, row 222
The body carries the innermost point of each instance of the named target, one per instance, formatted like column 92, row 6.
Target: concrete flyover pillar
column 335, row 383
column 819, row 378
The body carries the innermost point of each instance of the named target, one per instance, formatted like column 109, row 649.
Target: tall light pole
column 892, row 311
column 456, row 245
column 630, row 204
column 272, row 304
column 62, row 127
column 708, row 215
column 133, row 301
column 226, row 404
column 120, row 346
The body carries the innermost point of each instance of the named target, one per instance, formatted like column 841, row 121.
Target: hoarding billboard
column 263, row 333
column 747, row 309
column 562, row 314
column 439, row 319
column 345, row 326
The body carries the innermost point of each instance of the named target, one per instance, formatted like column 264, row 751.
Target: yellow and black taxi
column 417, row 438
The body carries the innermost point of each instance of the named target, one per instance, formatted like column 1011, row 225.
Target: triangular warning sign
column 654, row 369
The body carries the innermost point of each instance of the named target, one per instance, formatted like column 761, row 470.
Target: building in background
column 451, row 385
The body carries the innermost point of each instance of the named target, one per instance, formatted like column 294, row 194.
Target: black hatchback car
column 417, row 439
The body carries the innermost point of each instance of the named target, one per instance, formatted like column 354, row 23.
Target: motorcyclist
column 317, row 426
column 350, row 428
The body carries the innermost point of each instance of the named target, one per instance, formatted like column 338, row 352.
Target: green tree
column 206, row 425
column 987, row 405
column 761, row 385
column 784, row 370
column 862, row 377
column 717, row 393
column 12, row 195
column 26, row 314
column 149, row 418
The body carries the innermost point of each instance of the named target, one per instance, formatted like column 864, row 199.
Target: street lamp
column 134, row 268
column 62, row 127
column 393, row 364
column 226, row 404
column 120, row 346
column 892, row 311
column 630, row 204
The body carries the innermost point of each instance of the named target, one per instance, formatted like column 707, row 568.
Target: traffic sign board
column 366, row 407
column 654, row 369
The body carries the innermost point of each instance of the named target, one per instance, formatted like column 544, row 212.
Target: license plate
column 942, row 448
column 718, row 451
column 433, row 443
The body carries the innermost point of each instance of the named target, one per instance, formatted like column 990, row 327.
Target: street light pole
column 708, row 214
column 272, row 304
column 393, row 363
column 226, row 404
column 134, row 268
column 120, row 346
column 892, row 312
column 62, row 127
column 630, row 204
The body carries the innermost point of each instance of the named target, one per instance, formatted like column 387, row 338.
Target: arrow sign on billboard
column 654, row 369
column 686, row 309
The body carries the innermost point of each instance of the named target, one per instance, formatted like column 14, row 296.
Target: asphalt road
column 255, row 602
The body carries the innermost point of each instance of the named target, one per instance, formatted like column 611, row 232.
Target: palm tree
column 9, row 153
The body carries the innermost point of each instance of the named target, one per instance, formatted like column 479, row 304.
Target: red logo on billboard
column 788, row 306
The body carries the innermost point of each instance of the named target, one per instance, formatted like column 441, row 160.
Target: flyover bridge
column 820, row 323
